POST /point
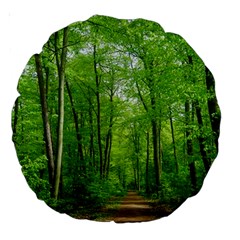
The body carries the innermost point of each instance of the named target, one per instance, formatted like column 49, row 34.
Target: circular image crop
column 117, row 120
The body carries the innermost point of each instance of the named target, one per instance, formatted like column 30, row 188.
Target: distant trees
column 114, row 105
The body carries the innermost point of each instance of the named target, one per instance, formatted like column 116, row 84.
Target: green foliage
column 101, row 191
column 175, row 187
column 126, row 78
column 32, row 170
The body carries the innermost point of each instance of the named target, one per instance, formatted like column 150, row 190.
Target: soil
column 132, row 208
column 135, row 208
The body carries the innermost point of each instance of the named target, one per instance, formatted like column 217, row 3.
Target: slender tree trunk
column 135, row 178
column 107, row 150
column 201, row 139
column 155, row 129
column 213, row 108
column 147, row 165
column 14, row 127
column 191, row 162
column 173, row 139
column 97, row 80
column 155, row 136
column 91, row 143
column 156, row 154
column 160, row 148
column 137, row 174
column 47, row 73
column 138, row 163
column 61, row 74
column 78, row 134
column 46, row 124
column 141, row 97
column 109, row 155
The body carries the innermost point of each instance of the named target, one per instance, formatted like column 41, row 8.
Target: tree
column 139, row 111
column 191, row 162
column 213, row 108
column 45, row 118
column 173, row 139
column 78, row 134
column 14, row 126
column 61, row 75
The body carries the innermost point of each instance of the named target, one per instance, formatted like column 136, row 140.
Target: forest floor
column 131, row 208
column 135, row 208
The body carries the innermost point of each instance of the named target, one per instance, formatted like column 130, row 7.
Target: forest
column 114, row 105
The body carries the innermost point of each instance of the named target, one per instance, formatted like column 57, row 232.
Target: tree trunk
column 14, row 127
column 160, row 148
column 213, row 108
column 138, row 163
column 61, row 75
column 147, row 165
column 135, row 177
column 156, row 154
column 91, row 143
column 155, row 128
column 173, row 139
column 107, row 150
column 155, row 137
column 98, row 112
column 109, row 155
column 78, row 134
column 201, row 139
column 46, row 124
column 191, row 162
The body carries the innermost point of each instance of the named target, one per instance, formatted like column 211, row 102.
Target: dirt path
column 134, row 208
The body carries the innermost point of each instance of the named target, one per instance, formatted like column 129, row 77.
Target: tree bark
column 160, row 148
column 78, row 134
column 147, row 164
column 201, row 139
column 155, row 137
column 191, row 162
column 98, row 111
column 46, row 124
column 91, row 143
column 109, row 156
column 154, row 123
column 213, row 108
column 138, row 163
column 61, row 75
column 107, row 151
column 173, row 139
column 135, row 161
column 156, row 154
column 14, row 127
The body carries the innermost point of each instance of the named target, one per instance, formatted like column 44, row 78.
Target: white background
column 211, row 27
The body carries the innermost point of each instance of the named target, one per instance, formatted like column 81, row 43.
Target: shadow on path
column 134, row 208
